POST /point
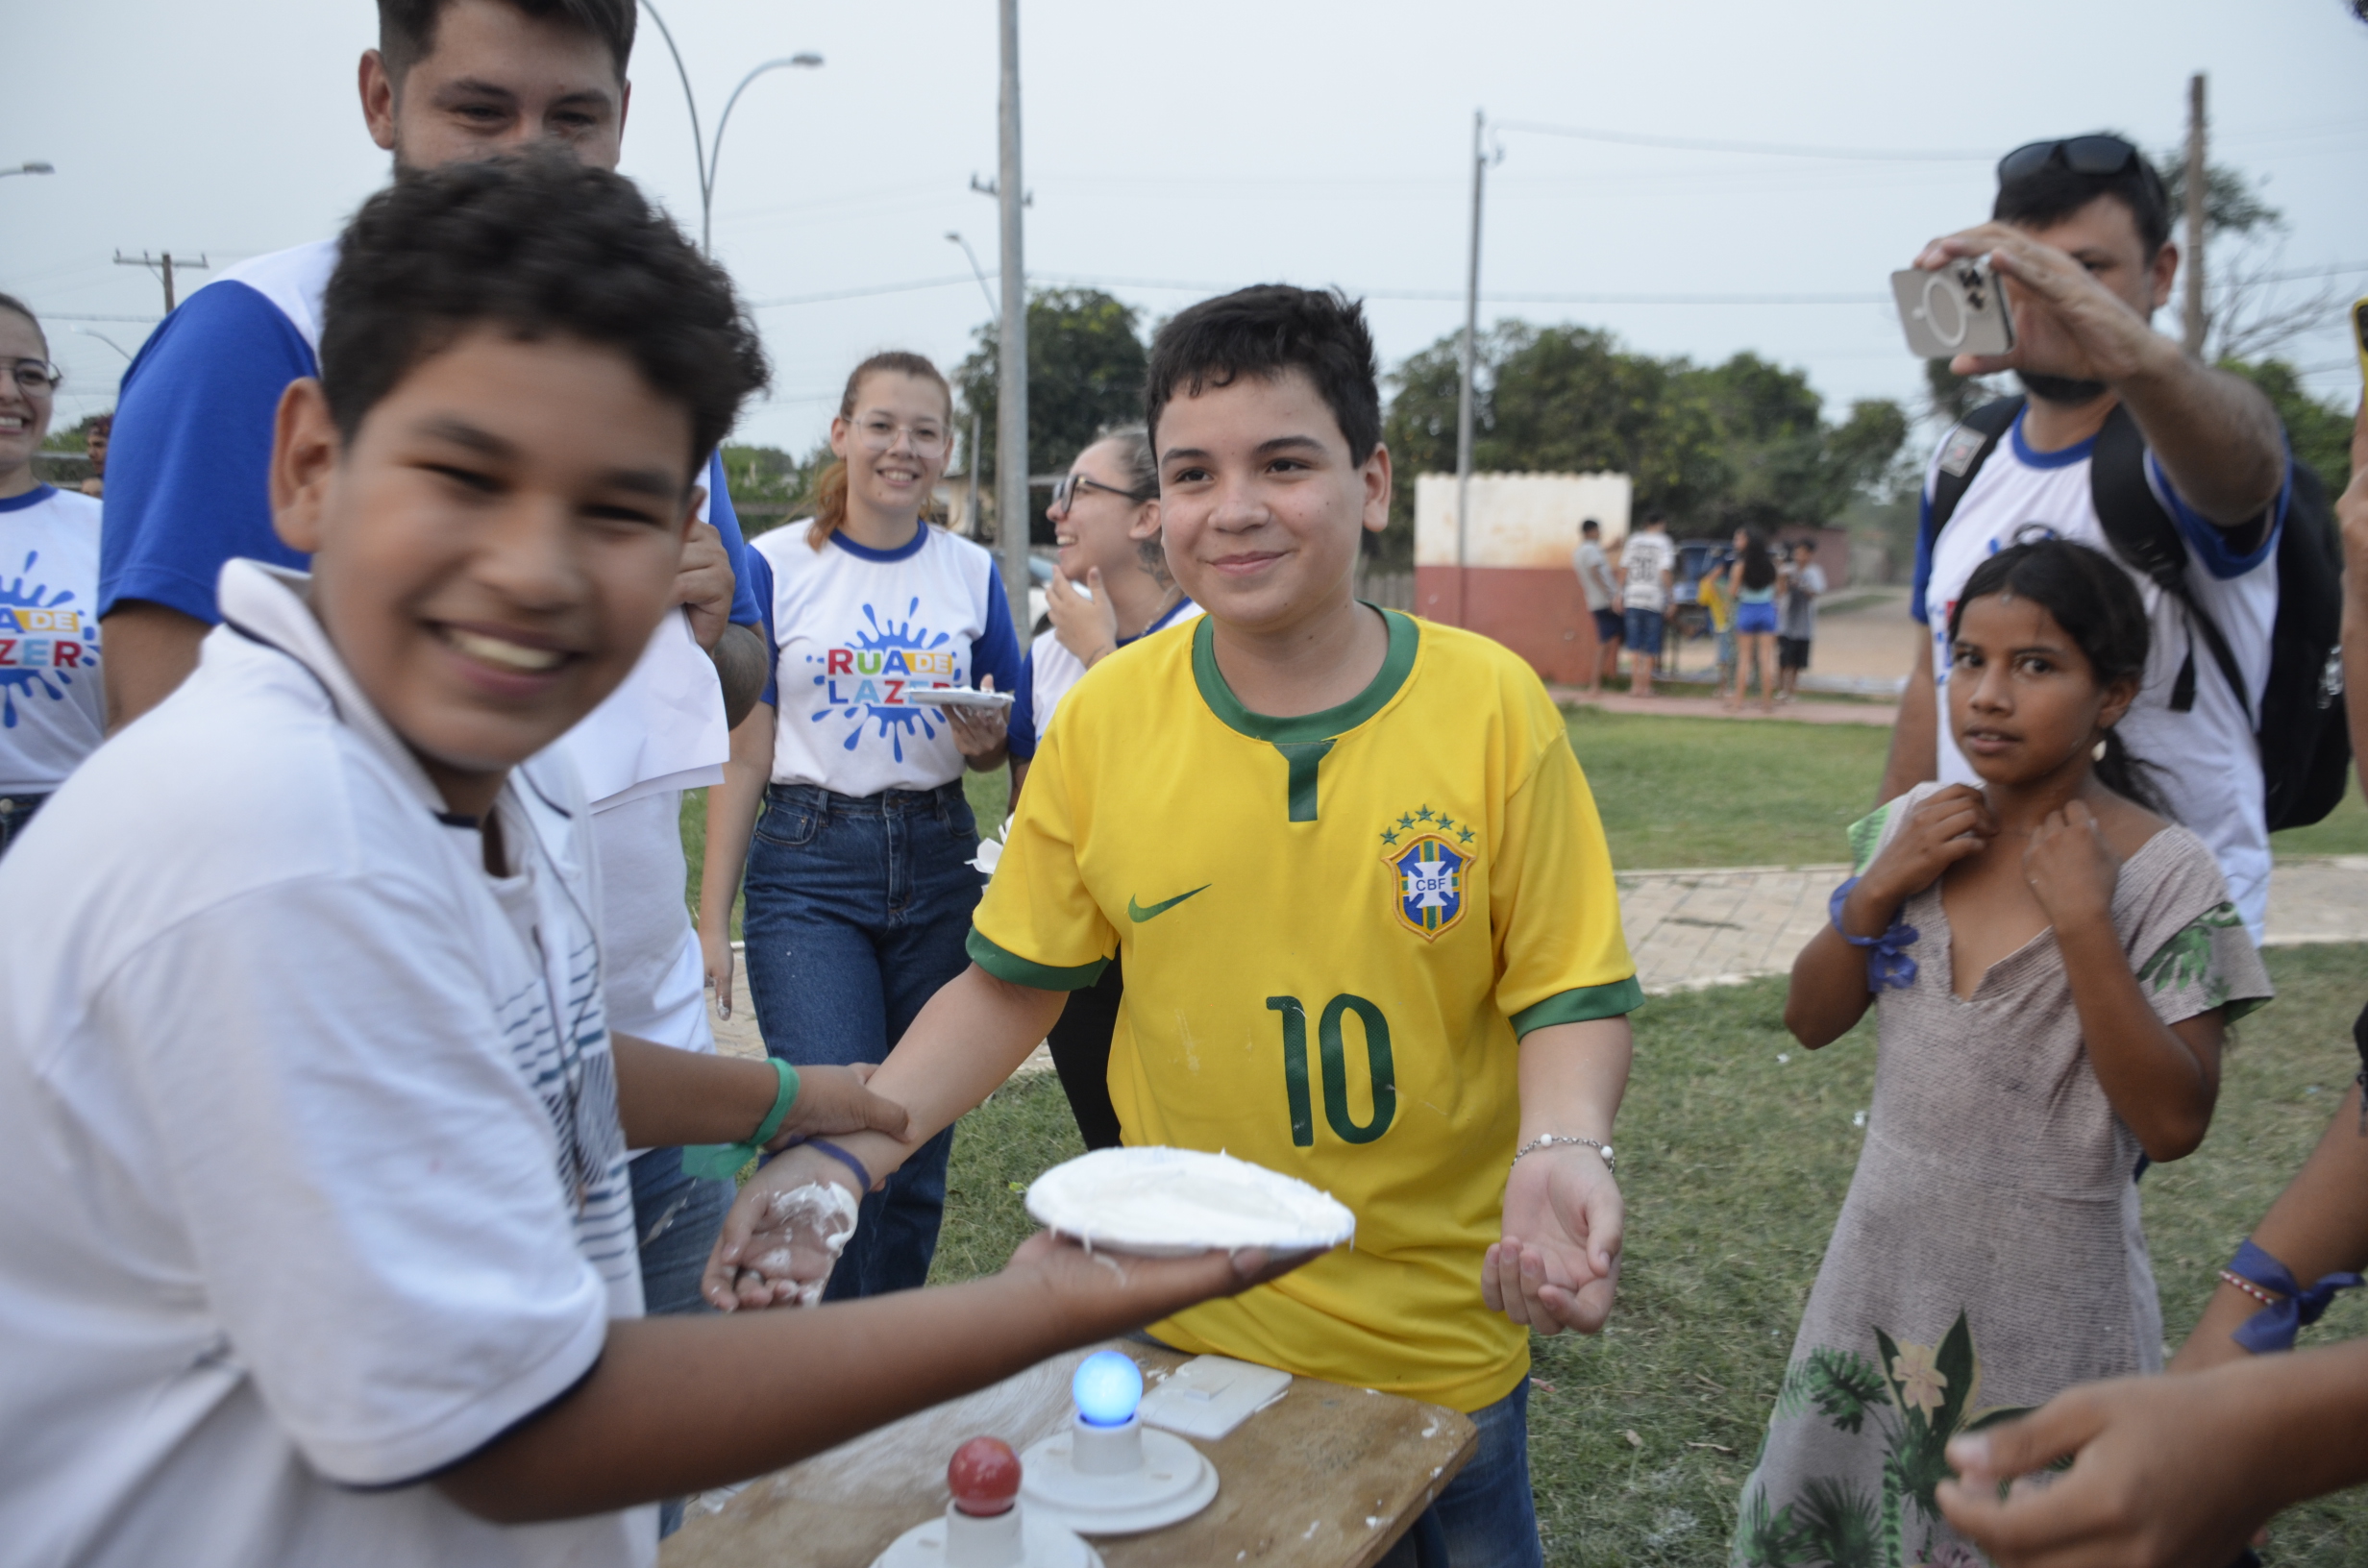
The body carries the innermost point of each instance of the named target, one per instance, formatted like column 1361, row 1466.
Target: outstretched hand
column 1098, row 1294
column 1558, row 1260
column 783, row 1233
column 2066, row 323
column 2154, row 1482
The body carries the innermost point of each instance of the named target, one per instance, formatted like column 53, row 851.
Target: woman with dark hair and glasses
column 1110, row 588
column 53, row 711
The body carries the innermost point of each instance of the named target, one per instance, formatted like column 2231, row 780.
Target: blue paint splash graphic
column 50, row 683
column 897, row 721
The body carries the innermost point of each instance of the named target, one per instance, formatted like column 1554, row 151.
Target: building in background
column 1516, row 584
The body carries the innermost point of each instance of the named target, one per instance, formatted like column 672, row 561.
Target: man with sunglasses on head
column 2079, row 234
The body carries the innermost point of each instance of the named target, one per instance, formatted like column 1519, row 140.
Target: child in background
column 53, row 712
column 1751, row 582
column 2055, row 966
column 860, row 880
column 316, row 1243
column 1718, row 600
column 1367, row 913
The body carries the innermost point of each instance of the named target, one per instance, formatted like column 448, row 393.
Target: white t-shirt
column 53, row 709
column 649, row 947
column 310, row 1175
column 2207, row 765
column 854, row 629
column 1050, row 670
column 1594, row 570
column 1647, row 555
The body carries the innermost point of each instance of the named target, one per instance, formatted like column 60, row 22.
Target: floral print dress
column 1989, row 1255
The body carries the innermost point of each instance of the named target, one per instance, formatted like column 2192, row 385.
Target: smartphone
column 1957, row 310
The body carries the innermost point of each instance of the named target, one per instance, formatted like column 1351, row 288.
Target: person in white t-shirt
column 316, row 1241
column 53, row 707
column 1648, row 570
column 859, row 876
column 2081, row 233
column 1106, row 517
column 1594, row 570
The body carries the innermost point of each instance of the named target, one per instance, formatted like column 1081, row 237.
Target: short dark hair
column 1654, row 515
column 407, row 28
column 1265, row 331
column 1591, row 526
column 539, row 245
column 2093, row 600
column 2055, row 192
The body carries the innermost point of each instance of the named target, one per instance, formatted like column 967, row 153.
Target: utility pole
column 163, row 266
column 2198, row 177
column 1011, row 497
column 1472, row 350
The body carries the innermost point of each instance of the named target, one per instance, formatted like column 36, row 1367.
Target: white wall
column 1517, row 519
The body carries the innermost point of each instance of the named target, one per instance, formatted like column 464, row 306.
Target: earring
column 2097, row 751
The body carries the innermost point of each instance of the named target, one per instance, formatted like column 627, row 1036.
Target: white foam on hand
column 801, row 1236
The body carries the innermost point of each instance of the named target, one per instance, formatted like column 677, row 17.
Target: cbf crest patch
column 1429, row 896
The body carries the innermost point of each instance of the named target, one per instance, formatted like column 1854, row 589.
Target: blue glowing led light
column 1107, row 1387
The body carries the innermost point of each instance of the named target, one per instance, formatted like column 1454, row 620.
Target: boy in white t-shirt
column 1648, row 568
column 315, row 1234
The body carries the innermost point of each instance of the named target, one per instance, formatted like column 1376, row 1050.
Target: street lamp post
column 979, row 273
column 34, row 167
column 709, row 154
column 1011, row 493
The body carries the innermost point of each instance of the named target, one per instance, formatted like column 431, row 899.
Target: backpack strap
column 2144, row 537
column 1968, row 447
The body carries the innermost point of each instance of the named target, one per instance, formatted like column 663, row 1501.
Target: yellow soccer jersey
column 1334, row 929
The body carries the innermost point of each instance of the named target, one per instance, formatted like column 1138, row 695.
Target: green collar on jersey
column 1306, row 728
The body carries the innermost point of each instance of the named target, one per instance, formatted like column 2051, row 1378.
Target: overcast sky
column 1220, row 143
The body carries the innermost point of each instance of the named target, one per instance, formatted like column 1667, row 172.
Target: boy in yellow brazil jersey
column 1365, row 909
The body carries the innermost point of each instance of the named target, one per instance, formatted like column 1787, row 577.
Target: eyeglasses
column 880, row 435
column 1065, row 492
column 37, row 376
column 2082, row 155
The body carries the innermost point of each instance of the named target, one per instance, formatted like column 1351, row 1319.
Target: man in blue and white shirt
column 2081, row 233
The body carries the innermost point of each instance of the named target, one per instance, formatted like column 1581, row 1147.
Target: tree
column 2320, row 433
column 2247, row 314
column 768, row 477
column 1086, row 366
column 1718, row 447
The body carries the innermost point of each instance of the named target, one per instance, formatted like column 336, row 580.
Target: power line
column 1769, row 149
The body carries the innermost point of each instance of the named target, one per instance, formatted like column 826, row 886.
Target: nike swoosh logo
column 1138, row 913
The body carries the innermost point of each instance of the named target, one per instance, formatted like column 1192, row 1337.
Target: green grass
column 2344, row 832
column 1735, row 1167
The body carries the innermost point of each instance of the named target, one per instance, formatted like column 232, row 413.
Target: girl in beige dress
column 2054, row 967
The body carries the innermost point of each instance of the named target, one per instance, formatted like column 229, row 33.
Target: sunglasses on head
column 2098, row 154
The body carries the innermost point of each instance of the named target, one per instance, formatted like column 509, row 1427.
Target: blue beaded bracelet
column 1888, row 964
column 2273, row 1327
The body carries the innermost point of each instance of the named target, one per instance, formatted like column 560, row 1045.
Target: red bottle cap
column 984, row 1477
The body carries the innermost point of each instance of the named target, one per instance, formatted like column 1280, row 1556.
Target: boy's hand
column 835, row 1100
column 1559, row 1259
column 2071, row 868
column 1945, row 827
column 979, row 733
column 2066, row 323
column 2154, row 1482
column 1088, row 627
column 703, row 584
column 773, row 1250
column 1098, row 1294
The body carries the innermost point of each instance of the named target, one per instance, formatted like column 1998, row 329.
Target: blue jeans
column 857, row 910
column 675, row 1218
column 1484, row 1518
column 16, row 815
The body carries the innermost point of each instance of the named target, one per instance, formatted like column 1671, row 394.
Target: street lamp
column 707, row 154
column 36, row 167
column 978, row 272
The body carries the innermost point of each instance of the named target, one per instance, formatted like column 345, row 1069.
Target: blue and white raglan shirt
column 1050, row 670
column 854, row 629
column 2207, row 765
column 187, row 488
column 311, row 1181
column 53, row 705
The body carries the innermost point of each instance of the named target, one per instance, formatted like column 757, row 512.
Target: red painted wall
column 1535, row 611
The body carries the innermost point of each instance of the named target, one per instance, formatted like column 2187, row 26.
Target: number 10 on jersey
column 1333, row 1051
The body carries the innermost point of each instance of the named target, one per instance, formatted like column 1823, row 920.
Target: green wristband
column 722, row 1162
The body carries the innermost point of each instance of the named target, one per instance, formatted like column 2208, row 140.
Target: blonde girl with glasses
column 843, row 802
column 53, row 712
column 1110, row 588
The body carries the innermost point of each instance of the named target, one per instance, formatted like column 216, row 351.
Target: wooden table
column 1327, row 1477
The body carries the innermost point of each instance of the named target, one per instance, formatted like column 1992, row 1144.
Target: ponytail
column 828, row 492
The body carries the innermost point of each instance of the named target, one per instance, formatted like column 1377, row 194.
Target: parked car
column 1689, row 616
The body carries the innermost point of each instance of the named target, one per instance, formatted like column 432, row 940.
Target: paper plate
column 1170, row 1203
column 956, row 697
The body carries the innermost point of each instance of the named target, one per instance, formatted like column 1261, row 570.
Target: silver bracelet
column 1546, row 1140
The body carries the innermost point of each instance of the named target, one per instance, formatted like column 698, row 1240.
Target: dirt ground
column 1868, row 646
